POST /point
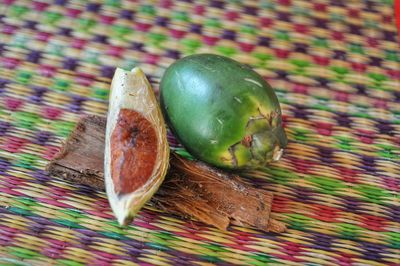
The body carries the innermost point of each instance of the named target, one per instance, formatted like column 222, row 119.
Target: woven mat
column 334, row 66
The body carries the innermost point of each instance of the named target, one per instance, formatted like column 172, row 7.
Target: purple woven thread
column 320, row 22
column 368, row 163
column 397, row 95
column 303, row 194
column 352, row 204
column 3, row 83
column 339, row 55
column 175, row 54
column 354, row 29
column 389, row 36
column 384, row 127
column 30, row 24
column 4, row 127
column 88, row 232
column 282, row 74
column 37, row 94
column 375, row 61
column 264, row 41
column 34, row 57
column 343, row 120
column 300, row 112
column 4, row 166
column 137, row 46
column 85, row 240
column 322, row 81
column 93, row 7
column 394, row 213
column 229, row 35
column 250, row 10
column 107, row 71
column 126, row 14
column 76, row 103
column 65, row 31
column 41, row 176
column 373, row 251
column 100, row 38
column 284, row 16
column 217, row 4
column 301, row 48
column 84, row 189
column 196, row 28
column 70, row 63
column 162, row 21
column 361, row 89
column 42, row 137
column 182, row 261
column 60, row 2
column 36, row 228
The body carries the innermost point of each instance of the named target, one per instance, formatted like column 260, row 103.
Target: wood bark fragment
column 191, row 189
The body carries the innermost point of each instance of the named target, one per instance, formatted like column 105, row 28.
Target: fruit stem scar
column 253, row 81
column 246, row 141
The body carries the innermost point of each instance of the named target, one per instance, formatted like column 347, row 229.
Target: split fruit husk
column 136, row 148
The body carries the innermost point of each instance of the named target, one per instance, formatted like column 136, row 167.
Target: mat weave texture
column 333, row 64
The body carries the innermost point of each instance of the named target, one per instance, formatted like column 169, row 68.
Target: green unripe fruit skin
column 223, row 112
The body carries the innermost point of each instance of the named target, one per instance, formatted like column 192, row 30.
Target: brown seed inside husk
column 133, row 151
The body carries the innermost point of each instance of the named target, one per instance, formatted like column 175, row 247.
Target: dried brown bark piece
column 81, row 157
column 191, row 188
column 231, row 196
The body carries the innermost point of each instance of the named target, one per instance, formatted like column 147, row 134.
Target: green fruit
column 223, row 112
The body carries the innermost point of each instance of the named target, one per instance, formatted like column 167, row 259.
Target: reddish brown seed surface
column 133, row 151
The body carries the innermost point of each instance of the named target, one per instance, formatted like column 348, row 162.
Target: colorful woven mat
column 335, row 68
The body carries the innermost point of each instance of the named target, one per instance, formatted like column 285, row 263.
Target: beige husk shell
column 132, row 90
